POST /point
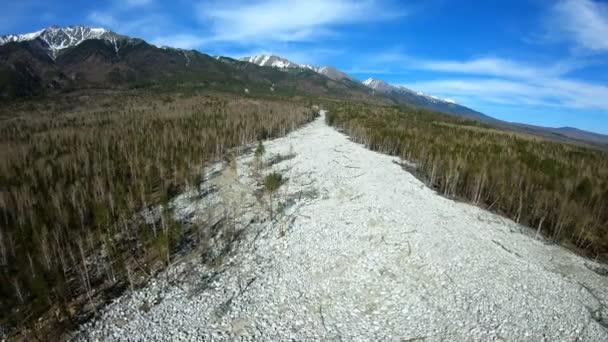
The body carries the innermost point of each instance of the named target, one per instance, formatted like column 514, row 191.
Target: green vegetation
column 260, row 150
column 272, row 183
column 559, row 189
column 77, row 169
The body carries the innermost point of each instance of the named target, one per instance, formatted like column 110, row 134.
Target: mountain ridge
column 48, row 61
column 283, row 63
column 72, row 57
column 405, row 95
column 55, row 38
column 381, row 85
column 400, row 94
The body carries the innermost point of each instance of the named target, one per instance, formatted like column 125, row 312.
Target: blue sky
column 536, row 61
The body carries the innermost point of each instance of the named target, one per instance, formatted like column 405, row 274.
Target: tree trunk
column 540, row 225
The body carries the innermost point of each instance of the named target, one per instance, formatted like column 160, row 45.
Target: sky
column 542, row 62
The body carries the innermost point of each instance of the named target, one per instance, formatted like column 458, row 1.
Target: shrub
column 260, row 150
column 272, row 183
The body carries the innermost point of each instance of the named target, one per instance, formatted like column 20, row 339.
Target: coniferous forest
column 560, row 190
column 76, row 170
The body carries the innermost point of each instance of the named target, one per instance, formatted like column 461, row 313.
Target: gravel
column 361, row 251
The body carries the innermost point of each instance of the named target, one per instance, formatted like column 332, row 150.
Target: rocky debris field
column 357, row 250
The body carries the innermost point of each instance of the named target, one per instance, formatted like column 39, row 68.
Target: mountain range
column 62, row 59
column 398, row 94
column 54, row 39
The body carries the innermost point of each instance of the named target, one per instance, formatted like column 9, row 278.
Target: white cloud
column 145, row 26
column 310, row 55
column 240, row 25
column 486, row 90
column 104, row 19
column 585, row 22
column 553, row 92
column 485, row 66
column 182, row 41
column 292, row 20
column 499, row 81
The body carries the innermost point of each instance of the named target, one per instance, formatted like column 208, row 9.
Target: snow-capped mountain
column 398, row 93
column 329, row 71
column 378, row 85
column 282, row 63
column 55, row 38
column 383, row 87
column 270, row 61
column 404, row 95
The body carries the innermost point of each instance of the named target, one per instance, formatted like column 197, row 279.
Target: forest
column 558, row 189
column 77, row 168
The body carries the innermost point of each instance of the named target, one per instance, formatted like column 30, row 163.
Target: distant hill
column 562, row 133
column 581, row 135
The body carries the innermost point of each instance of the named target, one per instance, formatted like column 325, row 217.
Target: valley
column 149, row 192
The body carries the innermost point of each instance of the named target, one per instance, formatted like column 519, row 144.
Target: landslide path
column 359, row 250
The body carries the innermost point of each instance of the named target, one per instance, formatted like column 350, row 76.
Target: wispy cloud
column 146, row 26
column 492, row 67
column 102, row 18
column 239, row 25
column 292, row 20
column 557, row 93
column 310, row 55
column 182, row 41
column 495, row 80
column 504, row 81
column 583, row 22
column 486, row 66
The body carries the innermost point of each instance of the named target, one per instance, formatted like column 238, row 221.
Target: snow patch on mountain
column 58, row 38
column 378, row 85
column 384, row 87
column 19, row 37
column 284, row 64
column 270, row 61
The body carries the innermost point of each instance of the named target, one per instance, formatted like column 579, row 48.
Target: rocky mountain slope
column 54, row 39
column 362, row 250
